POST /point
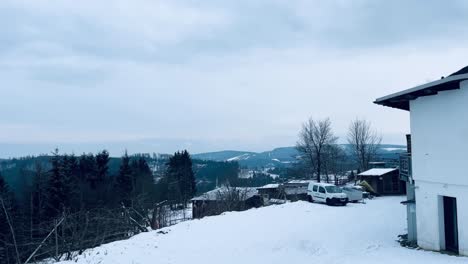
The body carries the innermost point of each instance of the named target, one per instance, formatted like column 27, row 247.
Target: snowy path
column 292, row 233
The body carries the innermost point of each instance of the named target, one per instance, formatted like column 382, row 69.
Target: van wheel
column 310, row 199
column 328, row 202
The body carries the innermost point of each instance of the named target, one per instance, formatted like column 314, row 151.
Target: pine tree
column 102, row 167
column 5, row 193
column 58, row 188
column 39, row 198
column 142, row 176
column 87, row 166
column 7, row 200
column 71, row 180
column 173, row 179
column 124, row 181
column 180, row 178
column 189, row 176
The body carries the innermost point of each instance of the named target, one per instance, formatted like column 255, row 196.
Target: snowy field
column 292, row 233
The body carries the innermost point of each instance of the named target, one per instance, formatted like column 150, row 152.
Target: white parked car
column 326, row 193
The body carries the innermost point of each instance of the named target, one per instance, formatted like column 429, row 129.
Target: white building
column 439, row 135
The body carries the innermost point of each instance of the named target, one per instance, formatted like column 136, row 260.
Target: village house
column 225, row 199
column 269, row 192
column 439, row 129
column 384, row 181
column 295, row 190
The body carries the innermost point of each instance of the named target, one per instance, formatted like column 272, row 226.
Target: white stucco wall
column 439, row 129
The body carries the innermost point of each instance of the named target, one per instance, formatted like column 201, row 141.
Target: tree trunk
column 318, row 170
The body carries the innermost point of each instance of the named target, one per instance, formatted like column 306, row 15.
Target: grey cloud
column 240, row 74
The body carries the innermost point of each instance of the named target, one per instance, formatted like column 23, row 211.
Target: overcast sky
column 157, row 76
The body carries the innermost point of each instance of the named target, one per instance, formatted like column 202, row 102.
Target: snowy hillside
column 285, row 156
column 298, row 232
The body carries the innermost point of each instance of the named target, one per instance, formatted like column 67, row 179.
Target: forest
column 62, row 204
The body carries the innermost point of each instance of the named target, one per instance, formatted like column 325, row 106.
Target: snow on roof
column 377, row 172
column 213, row 195
column 400, row 100
column 299, row 181
column 324, row 184
column 269, row 186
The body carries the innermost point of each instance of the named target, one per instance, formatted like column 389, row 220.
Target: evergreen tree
column 87, row 165
column 173, row 178
column 58, row 188
column 71, row 180
column 5, row 192
column 142, row 176
column 38, row 193
column 102, row 167
column 190, row 187
column 180, row 178
column 124, row 180
column 7, row 200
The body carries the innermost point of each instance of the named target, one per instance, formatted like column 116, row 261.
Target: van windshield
column 333, row 189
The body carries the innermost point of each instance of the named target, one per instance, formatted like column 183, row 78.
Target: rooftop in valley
column 377, row 172
column 216, row 194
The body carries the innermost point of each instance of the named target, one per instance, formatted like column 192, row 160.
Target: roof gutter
column 400, row 100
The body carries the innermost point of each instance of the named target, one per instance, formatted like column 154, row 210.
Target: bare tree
column 314, row 138
column 232, row 198
column 334, row 159
column 365, row 142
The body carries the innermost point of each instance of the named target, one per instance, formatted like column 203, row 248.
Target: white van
column 354, row 194
column 326, row 193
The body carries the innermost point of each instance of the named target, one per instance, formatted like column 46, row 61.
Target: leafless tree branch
column 365, row 142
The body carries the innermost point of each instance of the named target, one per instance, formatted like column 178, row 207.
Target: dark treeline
column 212, row 173
column 73, row 202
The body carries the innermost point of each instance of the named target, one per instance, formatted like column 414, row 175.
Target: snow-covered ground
column 298, row 232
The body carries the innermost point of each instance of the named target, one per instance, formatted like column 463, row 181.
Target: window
column 322, row 190
column 333, row 189
column 314, row 188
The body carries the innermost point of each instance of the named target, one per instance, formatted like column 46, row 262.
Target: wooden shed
column 384, row 181
column 225, row 199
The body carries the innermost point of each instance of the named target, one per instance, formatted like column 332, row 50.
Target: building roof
column 464, row 70
column 400, row 100
column 269, row 186
column 324, row 184
column 299, row 181
column 216, row 194
column 377, row 172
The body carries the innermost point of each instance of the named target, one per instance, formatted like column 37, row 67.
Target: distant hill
column 275, row 158
column 13, row 169
column 226, row 155
column 282, row 157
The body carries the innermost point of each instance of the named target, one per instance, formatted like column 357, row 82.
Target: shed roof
column 324, row 184
column 216, row 194
column 400, row 100
column 269, row 186
column 299, row 181
column 377, row 172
